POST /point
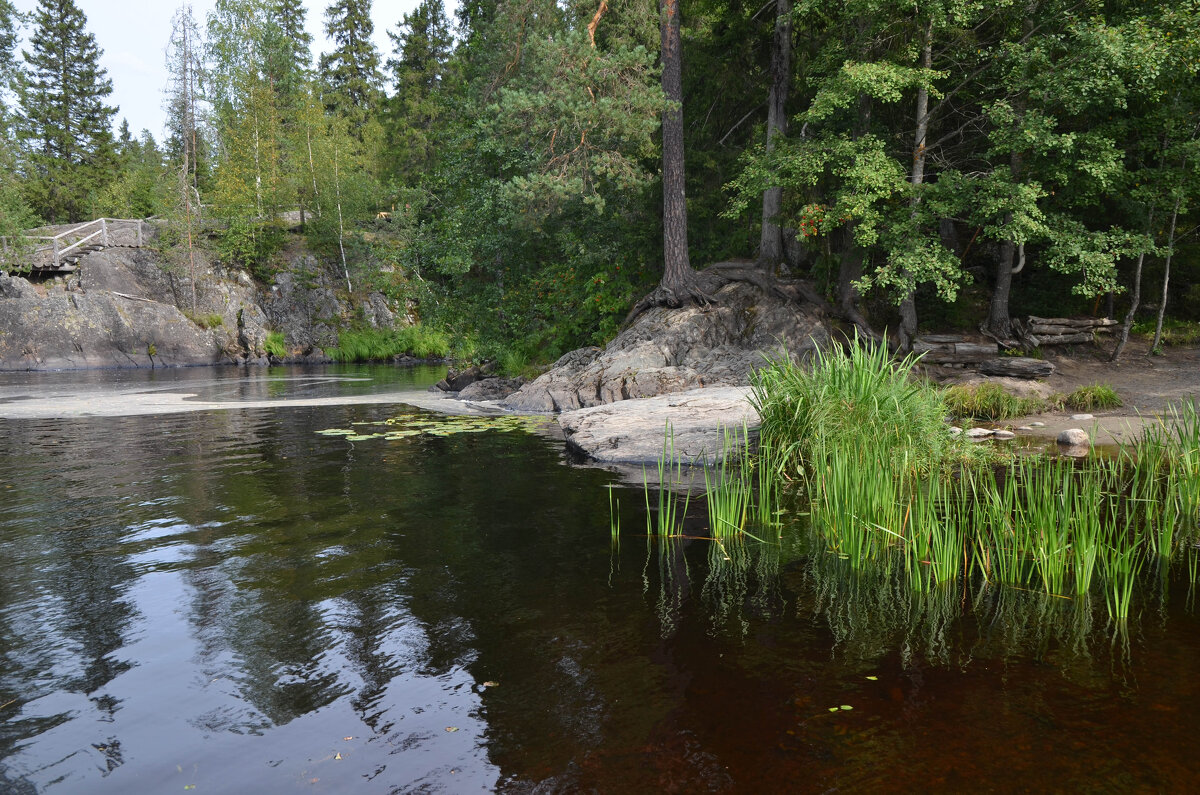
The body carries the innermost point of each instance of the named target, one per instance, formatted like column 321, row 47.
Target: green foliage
column 989, row 402
column 373, row 344
column 350, row 72
column 1095, row 396
column 1175, row 331
column 275, row 344
column 252, row 246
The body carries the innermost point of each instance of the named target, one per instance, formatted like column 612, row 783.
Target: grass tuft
column 1090, row 398
column 275, row 344
column 989, row 402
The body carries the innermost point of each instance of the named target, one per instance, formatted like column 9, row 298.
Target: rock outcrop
column 633, row 431
column 132, row 307
column 672, row 350
column 121, row 319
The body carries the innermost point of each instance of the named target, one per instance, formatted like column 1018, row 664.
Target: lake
column 227, row 600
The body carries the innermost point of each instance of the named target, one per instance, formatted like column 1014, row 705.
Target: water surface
column 228, row 601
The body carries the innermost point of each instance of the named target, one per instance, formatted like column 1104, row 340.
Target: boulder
column 673, row 350
column 633, row 431
column 493, row 388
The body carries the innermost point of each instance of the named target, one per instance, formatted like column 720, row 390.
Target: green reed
column 667, row 519
column 728, row 485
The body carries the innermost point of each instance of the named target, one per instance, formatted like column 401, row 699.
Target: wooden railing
column 97, row 232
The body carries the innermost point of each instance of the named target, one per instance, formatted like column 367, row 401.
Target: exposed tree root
column 701, row 287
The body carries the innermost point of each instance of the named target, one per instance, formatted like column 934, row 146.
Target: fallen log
column 1016, row 367
column 1066, row 339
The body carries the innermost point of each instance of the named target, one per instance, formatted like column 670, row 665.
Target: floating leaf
column 833, row 709
column 490, row 684
column 873, row 678
column 846, row 706
column 451, row 728
column 338, row 755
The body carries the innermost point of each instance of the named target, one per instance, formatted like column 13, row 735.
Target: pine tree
column 64, row 121
column 351, row 72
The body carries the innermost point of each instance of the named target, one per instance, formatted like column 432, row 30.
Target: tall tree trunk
column 908, row 305
column 999, row 323
column 1162, row 304
column 678, row 278
column 770, row 249
column 1134, row 299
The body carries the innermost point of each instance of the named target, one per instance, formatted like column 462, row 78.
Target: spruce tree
column 422, row 43
column 65, row 123
column 351, row 71
column 287, row 49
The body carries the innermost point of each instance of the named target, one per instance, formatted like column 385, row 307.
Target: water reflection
column 233, row 602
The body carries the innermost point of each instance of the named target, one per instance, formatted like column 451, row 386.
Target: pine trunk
column 677, row 271
column 770, row 250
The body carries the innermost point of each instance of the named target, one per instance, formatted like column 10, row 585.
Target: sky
column 133, row 35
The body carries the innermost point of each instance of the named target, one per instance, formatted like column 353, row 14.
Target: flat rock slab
column 632, row 431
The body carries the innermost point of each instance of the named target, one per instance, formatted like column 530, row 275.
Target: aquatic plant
column 851, row 397
column 428, row 424
column 667, row 519
column 728, row 484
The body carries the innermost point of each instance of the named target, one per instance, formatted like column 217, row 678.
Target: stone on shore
column 633, row 431
column 673, row 350
column 1074, row 437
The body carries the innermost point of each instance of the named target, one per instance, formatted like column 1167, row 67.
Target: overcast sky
column 133, row 35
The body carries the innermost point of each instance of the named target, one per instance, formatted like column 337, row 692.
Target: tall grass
column 848, row 397
column 890, row 490
column 373, row 345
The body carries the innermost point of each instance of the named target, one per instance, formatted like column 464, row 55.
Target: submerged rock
column 633, row 431
column 673, row 350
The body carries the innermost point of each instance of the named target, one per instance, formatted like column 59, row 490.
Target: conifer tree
column 287, row 53
column 351, row 72
column 65, row 122
column 422, row 45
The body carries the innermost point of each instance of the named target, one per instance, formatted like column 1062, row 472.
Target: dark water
column 228, row 602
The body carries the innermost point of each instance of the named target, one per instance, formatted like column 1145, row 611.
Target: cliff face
column 123, row 308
